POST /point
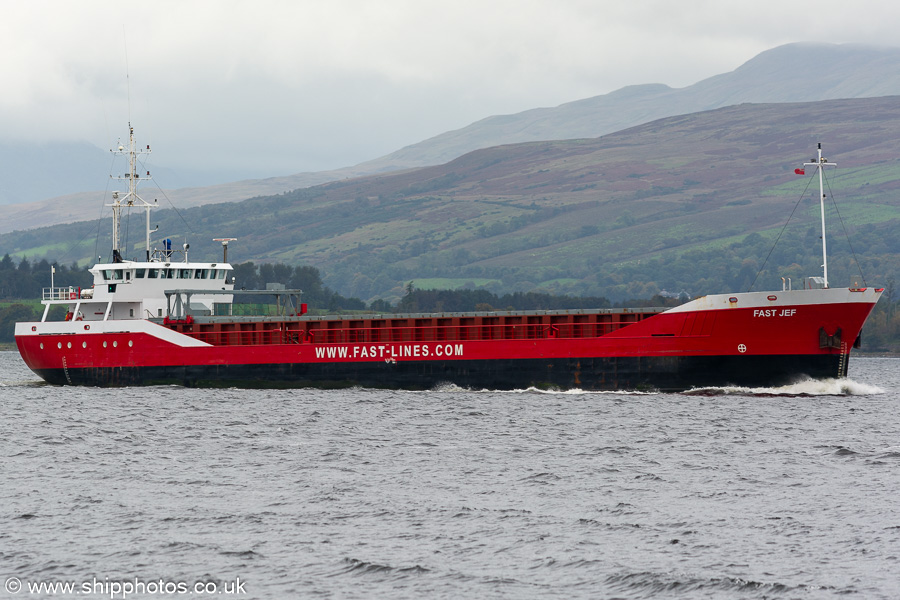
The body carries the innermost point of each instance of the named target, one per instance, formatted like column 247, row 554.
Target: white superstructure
column 129, row 289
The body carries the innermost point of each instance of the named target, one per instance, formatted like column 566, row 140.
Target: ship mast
column 820, row 164
column 131, row 198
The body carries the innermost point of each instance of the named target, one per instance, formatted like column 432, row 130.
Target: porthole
column 42, row 345
column 84, row 344
column 130, row 343
column 104, row 343
column 115, row 344
column 59, row 345
column 68, row 344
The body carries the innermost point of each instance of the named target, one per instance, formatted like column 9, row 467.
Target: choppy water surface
column 787, row 493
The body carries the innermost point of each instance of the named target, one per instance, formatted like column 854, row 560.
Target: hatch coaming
column 482, row 326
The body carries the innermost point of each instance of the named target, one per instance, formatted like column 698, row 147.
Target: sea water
column 167, row 492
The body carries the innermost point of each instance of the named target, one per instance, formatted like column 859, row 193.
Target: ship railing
column 287, row 302
column 293, row 333
column 61, row 293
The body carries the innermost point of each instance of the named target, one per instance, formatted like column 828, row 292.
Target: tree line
column 25, row 280
column 21, row 287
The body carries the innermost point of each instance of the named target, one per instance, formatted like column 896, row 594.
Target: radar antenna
column 224, row 247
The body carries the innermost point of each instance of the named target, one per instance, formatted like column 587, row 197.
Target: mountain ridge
column 780, row 74
column 775, row 75
column 689, row 202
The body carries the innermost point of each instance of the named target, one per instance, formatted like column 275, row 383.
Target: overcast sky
column 273, row 87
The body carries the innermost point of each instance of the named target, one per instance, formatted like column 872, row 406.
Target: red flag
column 800, row 171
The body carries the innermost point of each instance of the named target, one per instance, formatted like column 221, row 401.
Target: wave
column 24, row 383
column 870, row 456
column 578, row 392
column 453, row 388
column 652, row 585
column 807, row 387
column 354, row 566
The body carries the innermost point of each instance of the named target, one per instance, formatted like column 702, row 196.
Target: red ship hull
column 751, row 339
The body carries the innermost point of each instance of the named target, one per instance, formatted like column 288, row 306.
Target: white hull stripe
column 108, row 327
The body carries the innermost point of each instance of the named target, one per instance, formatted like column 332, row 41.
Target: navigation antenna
column 820, row 164
column 224, row 247
column 131, row 198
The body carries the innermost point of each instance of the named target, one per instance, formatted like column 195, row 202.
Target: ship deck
column 430, row 327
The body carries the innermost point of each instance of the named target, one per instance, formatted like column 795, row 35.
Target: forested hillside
column 688, row 204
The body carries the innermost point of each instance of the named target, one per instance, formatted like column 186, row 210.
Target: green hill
column 687, row 203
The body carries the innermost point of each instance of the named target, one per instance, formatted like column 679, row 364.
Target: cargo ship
column 165, row 319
